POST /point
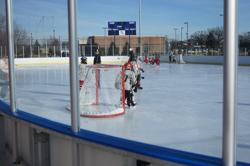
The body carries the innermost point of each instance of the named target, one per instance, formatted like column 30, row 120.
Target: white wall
column 65, row 60
column 243, row 60
column 61, row 148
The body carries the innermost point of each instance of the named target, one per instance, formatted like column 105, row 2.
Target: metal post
column 38, row 51
column 165, row 45
column 11, row 57
column 31, row 54
column 127, row 50
column 46, row 48
column 181, row 39
column 16, row 51
column 66, row 52
column 187, row 30
column 129, row 38
column 54, row 48
column 74, row 83
column 114, row 45
column 181, row 33
column 23, row 51
column 60, row 42
column 105, row 28
column 175, row 38
column 91, row 47
column 230, row 82
column 187, row 34
column 79, row 48
column 10, row 31
column 84, row 53
column 140, row 43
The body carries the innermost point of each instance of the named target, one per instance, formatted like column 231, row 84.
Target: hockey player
column 170, row 56
column 146, row 59
column 157, row 60
column 97, row 58
column 131, row 55
column 152, row 60
column 136, row 68
column 82, row 71
column 83, row 59
column 130, row 82
column 139, row 73
column 82, row 74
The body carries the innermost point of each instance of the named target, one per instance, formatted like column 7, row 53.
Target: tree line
column 212, row 38
column 22, row 38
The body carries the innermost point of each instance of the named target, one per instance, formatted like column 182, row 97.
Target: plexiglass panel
column 4, row 69
column 42, row 68
column 243, row 107
column 180, row 105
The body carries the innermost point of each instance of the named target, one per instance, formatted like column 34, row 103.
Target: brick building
column 119, row 45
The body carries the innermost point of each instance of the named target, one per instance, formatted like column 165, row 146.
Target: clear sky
column 159, row 17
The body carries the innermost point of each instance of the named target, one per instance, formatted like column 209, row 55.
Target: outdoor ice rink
column 180, row 106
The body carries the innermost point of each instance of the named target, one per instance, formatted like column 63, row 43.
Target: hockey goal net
column 101, row 90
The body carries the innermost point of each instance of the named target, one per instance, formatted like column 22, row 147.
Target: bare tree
column 218, row 36
column 20, row 35
column 3, row 40
column 244, row 42
column 199, row 38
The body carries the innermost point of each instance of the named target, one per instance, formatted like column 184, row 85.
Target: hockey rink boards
column 180, row 106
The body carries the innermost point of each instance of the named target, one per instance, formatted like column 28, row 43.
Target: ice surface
column 180, row 106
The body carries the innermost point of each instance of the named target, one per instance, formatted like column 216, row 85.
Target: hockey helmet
column 128, row 66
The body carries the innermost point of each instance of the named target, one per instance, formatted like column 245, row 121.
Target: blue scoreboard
column 121, row 28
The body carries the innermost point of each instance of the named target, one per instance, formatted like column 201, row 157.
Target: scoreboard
column 121, row 28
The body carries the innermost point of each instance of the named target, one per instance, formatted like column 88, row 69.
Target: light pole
column 187, row 30
column 181, row 33
column 60, row 43
column 54, row 34
column 46, row 47
column 140, row 44
column 181, row 39
column 91, row 47
column 175, row 38
column 187, row 36
column 114, row 44
column 31, row 45
column 175, row 30
column 129, row 37
column 105, row 31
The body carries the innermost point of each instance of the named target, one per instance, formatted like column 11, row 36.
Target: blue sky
column 159, row 17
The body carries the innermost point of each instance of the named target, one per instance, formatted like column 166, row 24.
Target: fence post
column 230, row 82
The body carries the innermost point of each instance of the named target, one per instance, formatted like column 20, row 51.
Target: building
column 119, row 45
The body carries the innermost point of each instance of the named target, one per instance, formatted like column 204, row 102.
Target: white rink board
column 180, row 106
column 65, row 60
